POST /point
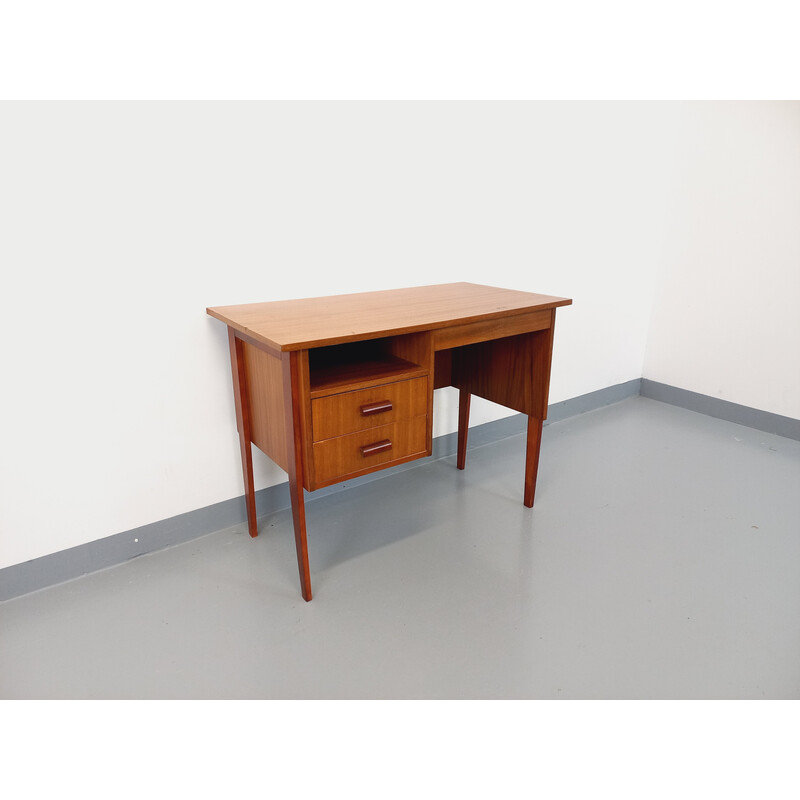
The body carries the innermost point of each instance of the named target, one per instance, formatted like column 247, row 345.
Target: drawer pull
column 377, row 447
column 376, row 408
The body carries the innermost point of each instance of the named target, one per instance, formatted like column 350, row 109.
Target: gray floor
column 662, row 560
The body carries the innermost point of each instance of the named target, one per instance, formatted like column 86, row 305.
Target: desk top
column 319, row 321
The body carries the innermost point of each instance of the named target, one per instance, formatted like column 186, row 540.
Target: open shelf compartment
column 355, row 365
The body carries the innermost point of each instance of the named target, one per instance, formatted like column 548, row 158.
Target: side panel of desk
column 265, row 393
column 506, row 361
column 269, row 390
column 513, row 371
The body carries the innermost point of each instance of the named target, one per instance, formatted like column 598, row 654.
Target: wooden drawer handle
column 377, row 447
column 376, row 408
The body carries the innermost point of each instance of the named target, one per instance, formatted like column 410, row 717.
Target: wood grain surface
column 342, row 457
column 266, row 400
column 485, row 330
column 313, row 322
column 513, row 371
column 339, row 414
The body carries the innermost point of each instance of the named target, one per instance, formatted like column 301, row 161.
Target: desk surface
column 318, row 321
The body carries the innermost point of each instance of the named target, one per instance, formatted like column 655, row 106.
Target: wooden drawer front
column 335, row 459
column 471, row 332
column 349, row 412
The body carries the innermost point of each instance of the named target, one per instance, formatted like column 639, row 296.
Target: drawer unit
column 346, row 456
column 349, row 412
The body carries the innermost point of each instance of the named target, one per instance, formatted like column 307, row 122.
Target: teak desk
column 331, row 388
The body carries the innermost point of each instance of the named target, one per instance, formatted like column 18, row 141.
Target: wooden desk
column 331, row 388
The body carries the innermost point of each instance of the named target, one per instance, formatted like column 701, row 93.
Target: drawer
column 485, row 330
column 348, row 412
column 336, row 459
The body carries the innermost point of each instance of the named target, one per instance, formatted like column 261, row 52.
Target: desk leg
column 299, row 519
column 463, row 426
column 294, row 447
column 532, row 458
column 240, row 398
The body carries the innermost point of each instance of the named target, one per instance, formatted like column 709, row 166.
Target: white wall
column 122, row 222
column 726, row 318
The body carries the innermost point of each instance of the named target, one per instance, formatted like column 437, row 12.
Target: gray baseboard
column 39, row 573
column 722, row 409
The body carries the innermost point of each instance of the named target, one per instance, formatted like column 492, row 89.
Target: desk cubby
column 356, row 365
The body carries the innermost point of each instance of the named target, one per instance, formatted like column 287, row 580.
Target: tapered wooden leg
column 299, row 519
column 463, row 426
column 240, row 397
column 294, row 447
column 532, row 458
